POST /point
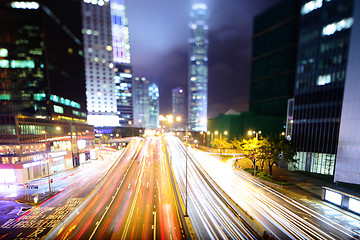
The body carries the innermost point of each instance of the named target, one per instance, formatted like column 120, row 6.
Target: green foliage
column 266, row 151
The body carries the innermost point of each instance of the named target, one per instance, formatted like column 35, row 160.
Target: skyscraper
column 274, row 46
column 42, row 89
column 322, row 63
column 141, row 102
column 41, row 60
column 123, row 69
column 100, row 85
column 154, row 106
column 178, row 108
column 198, row 68
column 124, row 94
column 107, row 54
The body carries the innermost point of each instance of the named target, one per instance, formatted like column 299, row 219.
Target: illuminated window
column 311, row 6
column 3, row 52
column 4, row 63
column 58, row 109
column 338, row 26
column 39, row 96
column 22, row 64
column 4, row 96
column 25, row 5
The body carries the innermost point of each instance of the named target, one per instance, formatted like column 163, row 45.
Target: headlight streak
column 285, row 218
column 301, row 207
column 204, row 203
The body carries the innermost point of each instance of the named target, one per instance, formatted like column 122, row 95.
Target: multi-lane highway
column 281, row 216
column 209, row 213
column 136, row 201
column 75, row 185
column 132, row 196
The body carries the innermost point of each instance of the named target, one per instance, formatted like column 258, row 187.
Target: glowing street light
column 132, row 127
column 256, row 133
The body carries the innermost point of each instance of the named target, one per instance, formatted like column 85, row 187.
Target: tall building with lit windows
column 41, row 60
column 179, row 108
column 141, row 102
column 123, row 68
column 99, row 64
column 43, row 126
column 326, row 64
column 124, row 94
column 106, row 44
column 198, row 68
column 154, row 106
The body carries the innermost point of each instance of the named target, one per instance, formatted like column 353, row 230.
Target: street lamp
column 281, row 135
column 48, row 167
column 254, row 132
column 186, row 170
column 132, row 130
column 47, row 157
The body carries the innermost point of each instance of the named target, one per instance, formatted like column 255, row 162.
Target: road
column 75, row 185
column 208, row 213
column 136, row 201
column 280, row 215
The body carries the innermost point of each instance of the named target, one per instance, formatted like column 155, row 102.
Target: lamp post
column 132, row 125
column 186, row 169
column 47, row 158
column 254, row 132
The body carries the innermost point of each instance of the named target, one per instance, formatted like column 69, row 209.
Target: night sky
column 159, row 48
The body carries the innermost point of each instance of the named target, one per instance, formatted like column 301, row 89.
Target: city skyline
column 230, row 30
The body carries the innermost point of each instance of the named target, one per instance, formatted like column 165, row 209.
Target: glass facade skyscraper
column 274, row 46
column 154, row 106
column 198, row 68
column 99, row 72
column 322, row 59
column 107, row 52
column 141, row 102
column 123, row 69
column 41, row 60
column 178, row 108
column 124, row 94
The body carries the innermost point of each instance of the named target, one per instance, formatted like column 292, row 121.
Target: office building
column 179, row 109
column 323, row 65
column 273, row 63
column 107, row 53
column 124, row 94
column 141, row 102
column 42, row 90
column 198, row 68
column 154, row 106
column 99, row 64
column 123, row 69
column 347, row 166
column 41, row 60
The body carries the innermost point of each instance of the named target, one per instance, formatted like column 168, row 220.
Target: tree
column 265, row 152
column 250, row 148
column 221, row 144
column 281, row 150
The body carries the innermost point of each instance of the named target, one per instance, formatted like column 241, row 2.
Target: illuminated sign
column 333, row 197
column 354, row 205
